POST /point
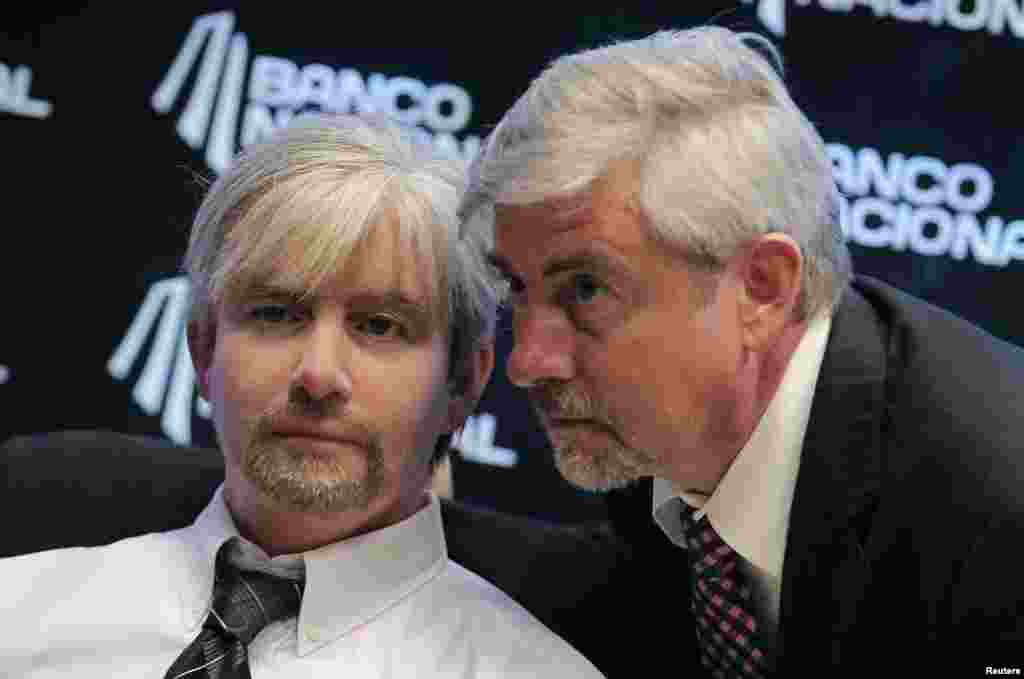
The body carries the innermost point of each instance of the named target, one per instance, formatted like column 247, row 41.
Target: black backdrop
column 110, row 117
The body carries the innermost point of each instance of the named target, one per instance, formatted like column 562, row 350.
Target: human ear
column 474, row 374
column 202, row 340
column 771, row 273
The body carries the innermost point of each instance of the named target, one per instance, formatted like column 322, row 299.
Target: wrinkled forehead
column 607, row 199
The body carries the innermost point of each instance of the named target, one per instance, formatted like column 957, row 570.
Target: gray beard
column 602, row 470
column 307, row 484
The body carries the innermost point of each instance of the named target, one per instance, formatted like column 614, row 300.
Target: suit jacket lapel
column 837, row 485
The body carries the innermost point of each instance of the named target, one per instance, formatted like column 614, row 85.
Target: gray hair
column 324, row 183
column 724, row 153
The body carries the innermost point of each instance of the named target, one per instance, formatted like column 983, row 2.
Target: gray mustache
column 561, row 402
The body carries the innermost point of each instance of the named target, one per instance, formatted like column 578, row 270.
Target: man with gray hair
column 341, row 331
column 834, row 463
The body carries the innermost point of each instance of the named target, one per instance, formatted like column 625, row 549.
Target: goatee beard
column 306, row 483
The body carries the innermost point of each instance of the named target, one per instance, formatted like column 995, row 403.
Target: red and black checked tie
column 727, row 632
column 243, row 604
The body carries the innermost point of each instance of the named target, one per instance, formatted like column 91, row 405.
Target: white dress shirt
column 388, row 603
column 750, row 507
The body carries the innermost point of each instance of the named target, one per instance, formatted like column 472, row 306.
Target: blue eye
column 271, row 313
column 585, row 287
column 587, row 302
column 380, row 326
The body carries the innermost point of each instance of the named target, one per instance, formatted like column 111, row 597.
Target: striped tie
column 727, row 631
column 243, row 604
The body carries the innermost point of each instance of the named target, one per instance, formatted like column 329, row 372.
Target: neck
column 772, row 368
column 279, row 529
column 758, row 380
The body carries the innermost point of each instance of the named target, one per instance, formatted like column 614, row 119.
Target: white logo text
column 167, row 381
column 279, row 89
column 922, row 204
column 14, row 93
column 993, row 16
column 476, row 442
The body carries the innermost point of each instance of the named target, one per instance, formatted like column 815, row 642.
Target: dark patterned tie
column 728, row 636
column 243, row 604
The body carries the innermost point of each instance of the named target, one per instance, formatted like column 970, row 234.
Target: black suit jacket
column 907, row 526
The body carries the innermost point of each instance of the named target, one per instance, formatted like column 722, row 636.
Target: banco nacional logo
column 992, row 16
column 220, row 118
column 922, row 204
column 14, row 93
column 475, row 442
column 166, row 384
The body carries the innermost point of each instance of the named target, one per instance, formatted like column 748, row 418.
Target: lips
column 555, row 425
column 318, row 434
column 571, row 422
column 555, row 421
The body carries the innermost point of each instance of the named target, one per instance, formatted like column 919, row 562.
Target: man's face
column 630, row 371
column 332, row 403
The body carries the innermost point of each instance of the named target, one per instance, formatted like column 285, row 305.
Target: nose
column 543, row 347
column 322, row 371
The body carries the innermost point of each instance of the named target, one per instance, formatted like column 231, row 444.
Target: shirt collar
column 750, row 507
column 348, row 582
column 211, row 529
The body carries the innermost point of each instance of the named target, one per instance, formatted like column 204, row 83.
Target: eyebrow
column 395, row 300
column 588, row 258
column 243, row 291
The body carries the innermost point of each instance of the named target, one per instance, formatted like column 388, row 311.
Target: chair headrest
column 89, row 487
